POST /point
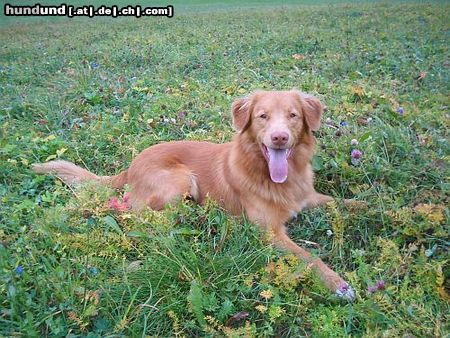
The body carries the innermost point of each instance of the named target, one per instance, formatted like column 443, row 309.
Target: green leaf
column 195, row 299
column 317, row 163
column 185, row 231
column 51, row 157
column 366, row 136
column 137, row 234
column 11, row 290
column 25, row 205
column 102, row 324
column 226, row 309
column 111, row 223
column 210, row 302
column 90, row 311
column 334, row 164
column 61, row 151
column 93, row 98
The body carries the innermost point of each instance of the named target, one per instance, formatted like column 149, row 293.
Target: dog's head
column 276, row 121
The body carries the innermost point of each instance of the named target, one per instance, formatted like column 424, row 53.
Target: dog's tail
column 73, row 175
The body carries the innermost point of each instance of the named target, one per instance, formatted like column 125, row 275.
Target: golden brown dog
column 264, row 172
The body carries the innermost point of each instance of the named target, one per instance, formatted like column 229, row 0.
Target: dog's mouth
column 277, row 160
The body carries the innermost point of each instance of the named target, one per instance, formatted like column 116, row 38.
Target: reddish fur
column 235, row 174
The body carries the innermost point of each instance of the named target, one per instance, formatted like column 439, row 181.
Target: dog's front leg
column 330, row 278
column 317, row 199
column 273, row 222
column 311, row 201
column 314, row 200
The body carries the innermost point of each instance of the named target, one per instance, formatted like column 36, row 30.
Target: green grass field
column 99, row 91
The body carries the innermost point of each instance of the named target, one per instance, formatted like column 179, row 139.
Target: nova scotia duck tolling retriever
column 264, row 172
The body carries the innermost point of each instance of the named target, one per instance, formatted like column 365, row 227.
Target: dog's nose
column 279, row 138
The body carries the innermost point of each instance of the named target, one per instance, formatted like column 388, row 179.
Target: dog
column 264, row 172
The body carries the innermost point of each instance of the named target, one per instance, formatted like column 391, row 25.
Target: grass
column 97, row 92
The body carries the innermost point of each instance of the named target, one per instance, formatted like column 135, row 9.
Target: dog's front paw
column 345, row 291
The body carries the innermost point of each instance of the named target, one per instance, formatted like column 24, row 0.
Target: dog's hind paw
column 345, row 291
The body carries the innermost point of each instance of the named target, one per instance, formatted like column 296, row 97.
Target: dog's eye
column 263, row 116
column 292, row 115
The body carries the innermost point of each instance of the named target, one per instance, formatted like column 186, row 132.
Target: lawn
column 99, row 91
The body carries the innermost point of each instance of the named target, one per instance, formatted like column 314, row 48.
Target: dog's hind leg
column 162, row 186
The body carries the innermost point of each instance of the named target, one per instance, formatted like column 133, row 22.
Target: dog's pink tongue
column 278, row 164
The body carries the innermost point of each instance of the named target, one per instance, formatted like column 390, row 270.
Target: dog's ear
column 241, row 113
column 312, row 108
